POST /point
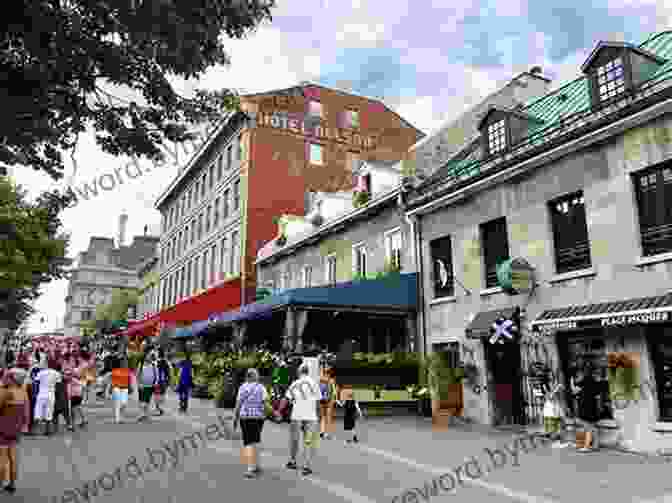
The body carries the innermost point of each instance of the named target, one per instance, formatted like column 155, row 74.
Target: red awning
column 218, row 299
column 144, row 327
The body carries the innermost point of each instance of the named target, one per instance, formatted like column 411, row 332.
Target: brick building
column 259, row 163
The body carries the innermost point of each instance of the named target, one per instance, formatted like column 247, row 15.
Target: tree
column 33, row 248
column 61, row 61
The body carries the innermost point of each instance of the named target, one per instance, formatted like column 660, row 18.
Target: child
column 352, row 411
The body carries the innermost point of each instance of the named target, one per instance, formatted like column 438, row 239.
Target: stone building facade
column 580, row 195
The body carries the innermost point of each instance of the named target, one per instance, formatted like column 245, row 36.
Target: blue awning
column 396, row 292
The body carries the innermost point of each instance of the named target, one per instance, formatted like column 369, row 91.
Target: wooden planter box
column 450, row 402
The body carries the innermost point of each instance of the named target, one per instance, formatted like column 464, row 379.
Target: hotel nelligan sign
column 612, row 321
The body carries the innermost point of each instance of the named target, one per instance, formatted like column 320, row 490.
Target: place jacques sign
column 611, row 321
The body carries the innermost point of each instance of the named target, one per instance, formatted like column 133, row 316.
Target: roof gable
column 603, row 45
column 516, row 113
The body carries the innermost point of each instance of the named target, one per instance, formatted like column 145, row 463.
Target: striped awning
column 642, row 310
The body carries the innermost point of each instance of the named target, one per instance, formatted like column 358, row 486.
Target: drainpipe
column 416, row 233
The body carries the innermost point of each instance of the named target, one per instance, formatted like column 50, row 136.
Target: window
column 352, row 119
column 570, row 233
column 204, row 276
column 215, row 215
column 211, row 176
column 182, row 278
column 393, row 246
column 225, row 204
column 236, row 195
column 307, row 276
column 193, row 231
column 360, row 260
column 197, row 191
column 177, row 210
column 331, row 269
column 229, row 155
column 495, row 248
column 441, row 251
column 223, row 250
column 497, row 136
column 200, row 226
column 197, row 270
column 164, row 293
column 235, row 246
column 610, row 79
column 316, row 154
column 654, row 200
column 180, row 248
column 164, row 223
column 185, row 245
column 213, row 263
column 220, row 167
column 203, row 185
column 315, row 109
column 187, row 282
column 207, row 218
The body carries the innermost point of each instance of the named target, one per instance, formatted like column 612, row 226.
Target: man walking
column 305, row 395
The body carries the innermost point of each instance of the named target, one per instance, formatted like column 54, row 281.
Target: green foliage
column 33, row 247
column 62, row 62
column 117, row 309
column 360, row 198
column 399, row 360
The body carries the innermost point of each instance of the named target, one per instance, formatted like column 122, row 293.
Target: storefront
column 628, row 345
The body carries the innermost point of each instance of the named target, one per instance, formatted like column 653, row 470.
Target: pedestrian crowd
column 40, row 387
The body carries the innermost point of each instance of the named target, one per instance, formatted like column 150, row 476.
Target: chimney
column 123, row 220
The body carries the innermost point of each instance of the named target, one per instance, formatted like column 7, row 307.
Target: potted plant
column 445, row 384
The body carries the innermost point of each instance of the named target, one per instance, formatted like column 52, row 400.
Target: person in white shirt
column 46, row 397
column 304, row 394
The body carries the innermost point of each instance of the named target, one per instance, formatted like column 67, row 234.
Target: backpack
column 148, row 375
column 324, row 391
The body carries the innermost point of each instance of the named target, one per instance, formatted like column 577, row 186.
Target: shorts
column 75, row 401
column 145, row 394
column 44, row 407
column 120, row 395
column 251, row 428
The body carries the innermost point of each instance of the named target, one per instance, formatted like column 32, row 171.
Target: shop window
column 359, row 253
column 331, row 269
column 570, row 233
column 654, row 200
column 661, row 353
column 497, row 136
column 393, row 247
column 316, row 154
column 579, row 355
column 610, row 79
column 307, row 276
column 442, row 259
column 495, row 248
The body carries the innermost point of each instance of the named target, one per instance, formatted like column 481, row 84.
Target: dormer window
column 497, row 136
column 615, row 68
column 610, row 79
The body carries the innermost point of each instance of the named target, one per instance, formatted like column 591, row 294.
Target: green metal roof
column 550, row 108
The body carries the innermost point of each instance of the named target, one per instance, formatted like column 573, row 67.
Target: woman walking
column 13, row 418
column 164, row 370
column 327, row 402
column 46, row 398
column 250, row 412
column 147, row 379
column 75, row 388
column 185, row 383
column 122, row 380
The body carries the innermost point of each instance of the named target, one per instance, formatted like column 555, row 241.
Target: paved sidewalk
column 544, row 474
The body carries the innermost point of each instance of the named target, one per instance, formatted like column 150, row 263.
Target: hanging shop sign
column 516, row 276
column 503, row 330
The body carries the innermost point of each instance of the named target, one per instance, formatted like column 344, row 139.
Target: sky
column 426, row 59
